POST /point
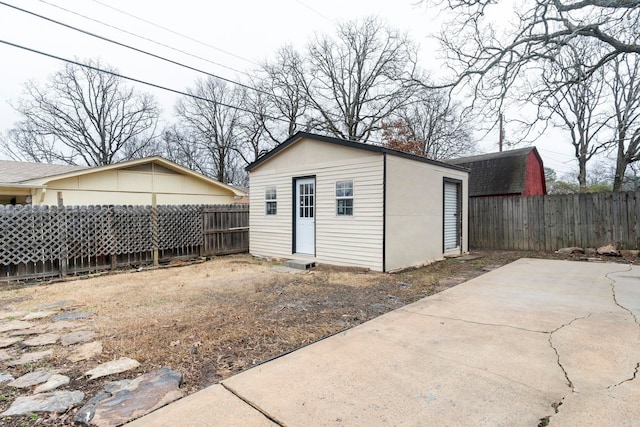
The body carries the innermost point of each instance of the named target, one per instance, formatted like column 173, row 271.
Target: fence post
column 62, row 224
column 154, row 229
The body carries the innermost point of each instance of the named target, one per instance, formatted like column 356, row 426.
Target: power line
column 315, row 11
column 143, row 37
column 135, row 49
column 133, row 79
column 174, row 32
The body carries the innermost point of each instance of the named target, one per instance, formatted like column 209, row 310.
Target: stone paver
column 5, row 378
column 122, row 401
column 63, row 324
column 31, row 379
column 58, row 402
column 76, row 315
column 77, row 337
column 9, row 341
column 38, row 315
column 11, row 314
column 5, row 355
column 40, row 340
column 56, row 304
column 86, row 351
column 15, row 325
column 34, row 330
column 52, row 383
column 114, row 367
column 30, row 357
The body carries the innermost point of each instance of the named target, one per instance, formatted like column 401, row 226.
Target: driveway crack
column 633, row 377
column 615, row 298
column 566, row 375
column 544, row 421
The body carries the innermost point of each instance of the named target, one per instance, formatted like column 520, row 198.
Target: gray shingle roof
column 496, row 173
column 18, row 172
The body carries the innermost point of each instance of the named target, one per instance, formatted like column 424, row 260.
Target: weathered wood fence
column 552, row 222
column 42, row 241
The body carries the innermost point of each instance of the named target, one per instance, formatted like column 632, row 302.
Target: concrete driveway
column 533, row 342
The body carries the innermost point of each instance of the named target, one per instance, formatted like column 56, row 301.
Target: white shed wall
column 340, row 240
column 414, row 228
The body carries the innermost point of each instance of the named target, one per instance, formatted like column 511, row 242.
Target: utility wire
column 174, row 32
column 316, row 11
column 153, row 55
column 133, row 79
column 143, row 37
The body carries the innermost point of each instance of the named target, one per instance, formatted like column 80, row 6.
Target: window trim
column 271, row 201
column 349, row 197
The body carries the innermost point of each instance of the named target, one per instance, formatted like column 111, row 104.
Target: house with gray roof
column 133, row 182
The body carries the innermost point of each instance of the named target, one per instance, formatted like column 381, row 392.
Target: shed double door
column 304, row 219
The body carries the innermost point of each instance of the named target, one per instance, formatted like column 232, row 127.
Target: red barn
column 507, row 173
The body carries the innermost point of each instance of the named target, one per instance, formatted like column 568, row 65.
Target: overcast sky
column 236, row 34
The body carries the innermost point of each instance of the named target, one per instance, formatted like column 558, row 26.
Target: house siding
column 340, row 240
column 414, row 210
column 132, row 188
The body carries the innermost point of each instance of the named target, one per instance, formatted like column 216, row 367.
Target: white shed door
column 305, row 224
column 451, row 216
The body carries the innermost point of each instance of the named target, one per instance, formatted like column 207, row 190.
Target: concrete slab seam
column 254, row 406
column 473, row 322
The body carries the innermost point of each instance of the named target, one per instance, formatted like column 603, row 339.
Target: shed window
column 344, row 198
column 270, row 201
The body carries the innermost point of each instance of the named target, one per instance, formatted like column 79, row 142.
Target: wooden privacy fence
column 41, row 241
column 552, row 222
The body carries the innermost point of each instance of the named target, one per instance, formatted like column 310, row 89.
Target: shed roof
column 497, row 173
column 346, row 143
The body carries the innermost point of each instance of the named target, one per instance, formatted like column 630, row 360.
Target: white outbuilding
column 327, row 200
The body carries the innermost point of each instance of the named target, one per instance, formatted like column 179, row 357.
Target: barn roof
column 497, row 173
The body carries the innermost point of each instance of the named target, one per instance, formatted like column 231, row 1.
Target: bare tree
column 358, row 79
column 625, row 88
column 211, row 119
column 580, row 107
column 283, row 80
column 179, row 146
column 430, row 126
column 255, row 135
column 83, row 116
column 492, row 54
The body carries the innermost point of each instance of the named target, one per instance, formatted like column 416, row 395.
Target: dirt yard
column 213, row 319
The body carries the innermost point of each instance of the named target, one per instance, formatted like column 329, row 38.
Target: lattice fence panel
column 29, row 234
column 89, row 231
column 179, row 226
column 131, row 229
column 40, row 241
